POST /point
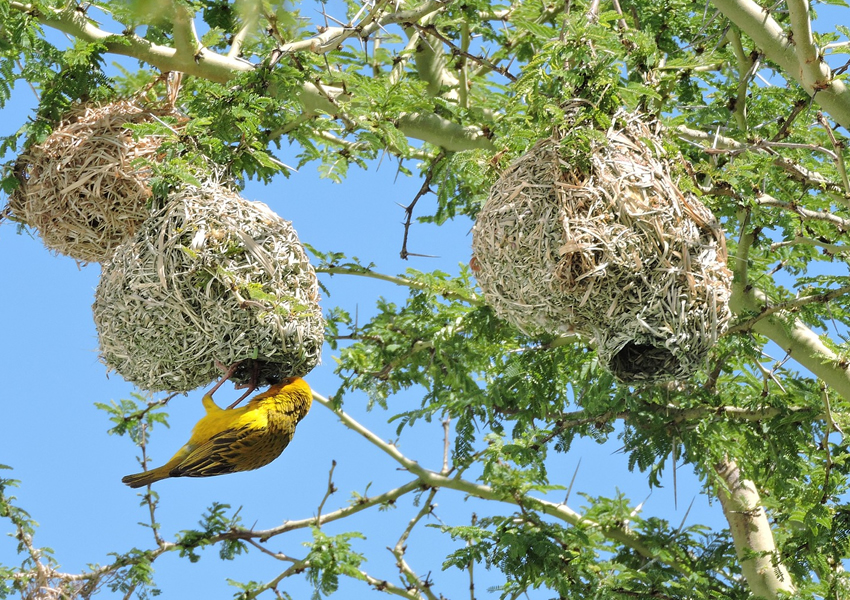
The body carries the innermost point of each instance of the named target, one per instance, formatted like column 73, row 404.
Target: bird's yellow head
column 294, row 388
column 295, row 384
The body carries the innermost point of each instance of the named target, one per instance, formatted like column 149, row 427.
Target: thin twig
column 413, row 580
column 383, row 585
column 330, row 38
column 29, row 83
column 805, row 214
column 472, row 564
column 5, row 213
column 446, row 423
column 432, row 30
column 359, row 271
column 783, row 130
column 839, row 152
column 463, row 70
column 138, row 416
column 714, row 143
column 331, row 489
column 675, row 458
column 361, row 504
column 264, row 550
column 572, row 482
column 408, row 210
column 800, row 240
column 830, row 425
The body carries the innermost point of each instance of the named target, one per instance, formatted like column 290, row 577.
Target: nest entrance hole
column 638, row 360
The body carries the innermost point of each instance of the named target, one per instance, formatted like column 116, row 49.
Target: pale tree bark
column 751, row 534
column 190, row 57
column 790, row 333
column 793, row 50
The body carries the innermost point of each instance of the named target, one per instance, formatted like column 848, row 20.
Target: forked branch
column 754, row 20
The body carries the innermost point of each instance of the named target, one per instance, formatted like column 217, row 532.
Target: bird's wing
column 238, row 449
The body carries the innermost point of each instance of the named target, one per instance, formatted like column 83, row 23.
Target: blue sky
column 70, row 469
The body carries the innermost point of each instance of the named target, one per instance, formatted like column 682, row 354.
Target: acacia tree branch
column 832, row 94
column 794, row 337
column 751, row 534
column 439, row 131
column 562, row 512
column 790, row 305
column 361, row 504
column 838, row 154
column 790, row 333
column 430, row 60
column 219, row 68
column 799, row 240
column 806, row 214
column 398, row 551
column 408, row 210
column 429, row 30
column 469, row 297
column 331, row 38
column 186, row 40
column 675, row 415
column 382, row 585
column 814, row 72
column 251, row 14
column 746, row 68
column 209, row 65
column 712, row 143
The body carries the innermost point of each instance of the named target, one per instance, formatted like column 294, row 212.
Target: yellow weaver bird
column 236, row 439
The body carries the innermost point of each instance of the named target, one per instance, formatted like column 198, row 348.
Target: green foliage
column 214, row 523
column 19, row 518
column 578, row 563
column 503, row 76
column 134, row 574
column 328, row 558
column 60, row 78
column 135, row 417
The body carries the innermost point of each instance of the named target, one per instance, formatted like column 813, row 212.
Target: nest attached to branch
column 210, row 278
column 609, row 248
column 83, row 188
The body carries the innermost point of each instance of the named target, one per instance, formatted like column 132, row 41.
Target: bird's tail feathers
column 144, row 478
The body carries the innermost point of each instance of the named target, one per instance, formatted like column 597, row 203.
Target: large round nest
column 84, row 188
column 607, row 246
column 209, row 280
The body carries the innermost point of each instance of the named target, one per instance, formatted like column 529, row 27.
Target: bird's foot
column 228, row 373
column 252, row 383
column 242, row 397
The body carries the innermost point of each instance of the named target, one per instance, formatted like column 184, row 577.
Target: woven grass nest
column 209, row 278
column 82, row 189
column 607, row 247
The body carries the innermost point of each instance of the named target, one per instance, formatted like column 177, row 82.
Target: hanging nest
column 603, row 243
column 83, row 189
column 210, row 278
